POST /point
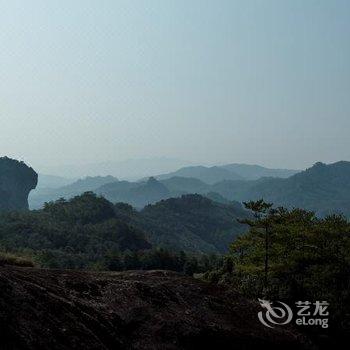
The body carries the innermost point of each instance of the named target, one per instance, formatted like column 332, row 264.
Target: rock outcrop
column 16, row 181
column 53, row 309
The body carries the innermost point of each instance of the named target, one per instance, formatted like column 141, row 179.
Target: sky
column 210, row 82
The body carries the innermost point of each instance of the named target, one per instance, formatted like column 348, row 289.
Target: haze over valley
column 174, row 175
column 321, row 188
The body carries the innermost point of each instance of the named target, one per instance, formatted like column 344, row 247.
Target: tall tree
column 263, row 221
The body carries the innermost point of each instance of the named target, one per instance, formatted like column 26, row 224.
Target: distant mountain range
column 42, row 194
column 142, row 193
column 137, row 194
column 322, row 188
column 209, row 175
column 254, row 172
column 214, row 174
column 131, row 169
column 52, row 181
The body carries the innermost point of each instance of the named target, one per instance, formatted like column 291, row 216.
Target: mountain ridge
column 233, row 171
column 322, row 188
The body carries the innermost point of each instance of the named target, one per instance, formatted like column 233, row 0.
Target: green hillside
column 190, row 223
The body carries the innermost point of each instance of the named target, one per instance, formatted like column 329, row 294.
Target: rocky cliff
column 16, row 181
column 52, row 309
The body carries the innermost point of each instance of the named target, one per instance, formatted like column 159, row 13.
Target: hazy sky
column 263, row 82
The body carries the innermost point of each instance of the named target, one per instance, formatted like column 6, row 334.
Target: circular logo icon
column 274, row 315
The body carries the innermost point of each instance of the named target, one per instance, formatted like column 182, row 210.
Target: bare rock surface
column 56, row 309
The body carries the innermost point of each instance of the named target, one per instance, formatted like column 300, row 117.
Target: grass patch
column 14, row 260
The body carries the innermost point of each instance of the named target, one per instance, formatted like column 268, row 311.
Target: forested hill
column 191, row 223
column 87, row 229
column 70, row 234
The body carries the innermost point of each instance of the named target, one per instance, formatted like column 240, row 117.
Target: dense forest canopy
column 82, row 229
column 88, row 231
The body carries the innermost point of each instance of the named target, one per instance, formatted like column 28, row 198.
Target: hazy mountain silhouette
column 254, row 172
column 52, row 181
column 322, row 188
column 138, row 194
column 131, row 169
column 182, row 185
column 38, row 197
column 209, row 175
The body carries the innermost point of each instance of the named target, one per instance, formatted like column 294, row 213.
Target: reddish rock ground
column 51, row 309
